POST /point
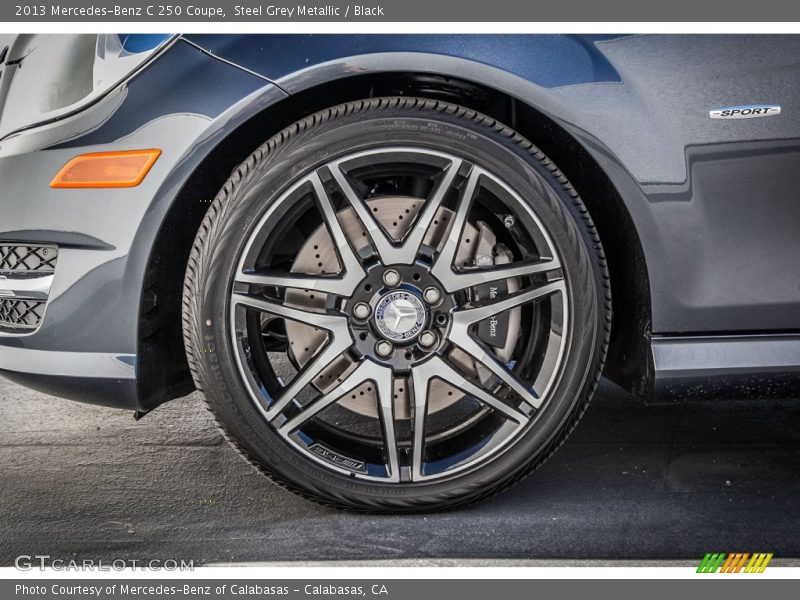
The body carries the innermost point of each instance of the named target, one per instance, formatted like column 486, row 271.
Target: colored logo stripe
column 734, row 562
column 758, row 563
column 711, row 562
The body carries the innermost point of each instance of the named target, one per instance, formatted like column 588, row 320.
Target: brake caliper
column 498, row 331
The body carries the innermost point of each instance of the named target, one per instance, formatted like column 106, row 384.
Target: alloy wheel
column 399, row 315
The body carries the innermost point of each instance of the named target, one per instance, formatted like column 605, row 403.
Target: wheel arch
column 162, row 369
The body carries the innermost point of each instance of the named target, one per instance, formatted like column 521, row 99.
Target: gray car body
column 700, row 215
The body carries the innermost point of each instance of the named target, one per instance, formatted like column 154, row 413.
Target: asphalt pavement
column 634, row 483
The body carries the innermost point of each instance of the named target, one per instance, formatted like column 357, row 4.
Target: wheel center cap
column 400, row 315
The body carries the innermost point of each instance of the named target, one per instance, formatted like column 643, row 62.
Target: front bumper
column 79, row 320
column 82, row 343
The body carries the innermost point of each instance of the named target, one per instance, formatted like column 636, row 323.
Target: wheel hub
column 318, row 255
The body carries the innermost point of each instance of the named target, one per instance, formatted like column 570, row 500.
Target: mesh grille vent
column 16, row 258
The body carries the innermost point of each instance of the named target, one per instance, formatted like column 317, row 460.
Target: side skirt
column 725, row 367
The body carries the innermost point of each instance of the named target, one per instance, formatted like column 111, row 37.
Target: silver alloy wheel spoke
column 323, row 360
column 389, row 252
column 409, row 251
column 366, row 371
column 351, row 264
column 385, row 388
column 437, row 368
column 455, row 281
column 384, row 246
column 529, row 396
column 342, row 284
column 420, row 385
column 325, row 285
column 329, row 322
column 340, row 339
column 463, row 319
column 442, row 267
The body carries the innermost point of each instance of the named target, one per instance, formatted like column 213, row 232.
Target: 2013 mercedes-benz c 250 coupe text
column 387, row 262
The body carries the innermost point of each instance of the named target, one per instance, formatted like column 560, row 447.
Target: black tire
column 257, row 182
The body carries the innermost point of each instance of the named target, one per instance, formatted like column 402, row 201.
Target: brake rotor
column 318, row 256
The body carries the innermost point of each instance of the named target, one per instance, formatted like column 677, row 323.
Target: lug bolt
column 362, row 311
column 383, row 348
column 431, row 295
column 509, row 221
column 391, row 278
column 427, row 339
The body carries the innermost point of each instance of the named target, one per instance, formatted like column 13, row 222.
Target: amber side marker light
column 106, row 169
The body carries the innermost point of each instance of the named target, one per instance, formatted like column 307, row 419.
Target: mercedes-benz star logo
column 400, row 315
